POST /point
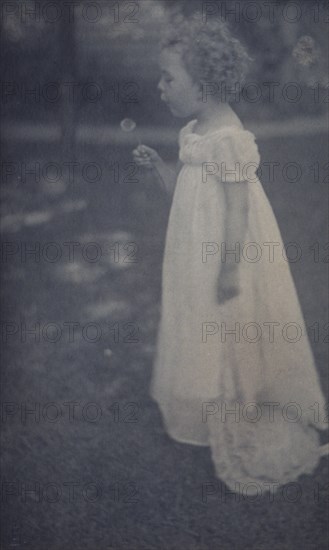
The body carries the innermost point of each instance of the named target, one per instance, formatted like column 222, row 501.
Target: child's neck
column 213, row 116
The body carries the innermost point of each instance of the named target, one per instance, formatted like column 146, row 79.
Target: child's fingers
column 141, row 160
column 143, row 163
column 142, row 156
column 138, row 156
column 144, row 149
column 139, row 152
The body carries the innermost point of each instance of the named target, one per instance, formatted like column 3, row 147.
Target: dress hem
column 170, row 434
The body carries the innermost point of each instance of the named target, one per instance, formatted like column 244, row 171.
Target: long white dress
column 263, row 370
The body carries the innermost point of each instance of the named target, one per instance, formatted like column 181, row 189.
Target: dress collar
column 188, row 130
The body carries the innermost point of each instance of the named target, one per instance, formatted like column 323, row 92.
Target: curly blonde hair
column 209, row 51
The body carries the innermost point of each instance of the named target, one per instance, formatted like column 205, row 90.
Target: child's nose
column 160, row 86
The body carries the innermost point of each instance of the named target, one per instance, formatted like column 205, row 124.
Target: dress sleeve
column 236, row 156
column 183, row 131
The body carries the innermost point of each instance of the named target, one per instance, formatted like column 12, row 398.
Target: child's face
column 178, row 90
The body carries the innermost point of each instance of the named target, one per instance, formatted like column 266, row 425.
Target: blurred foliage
column 122, row 46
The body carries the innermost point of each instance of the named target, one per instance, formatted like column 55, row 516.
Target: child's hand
column 146, row 157
column 228, row 284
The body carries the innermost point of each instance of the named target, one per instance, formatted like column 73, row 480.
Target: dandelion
column 128, row 125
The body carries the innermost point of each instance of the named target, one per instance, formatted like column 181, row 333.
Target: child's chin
column 176, row 113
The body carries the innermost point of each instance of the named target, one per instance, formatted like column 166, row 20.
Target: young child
column 234, row 367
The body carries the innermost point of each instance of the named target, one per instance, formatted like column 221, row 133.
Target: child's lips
column 166, row 101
